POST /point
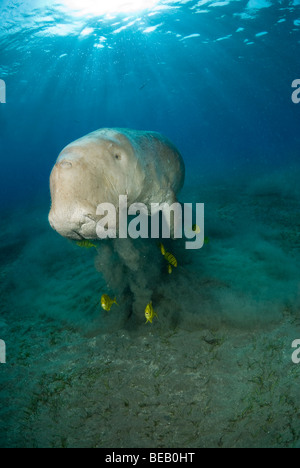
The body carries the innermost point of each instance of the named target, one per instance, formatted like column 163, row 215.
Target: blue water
column 224, row 96
column 216, row 79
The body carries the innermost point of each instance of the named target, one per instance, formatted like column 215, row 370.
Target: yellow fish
column 149, row 313
column 107, row 302
column 86, row 244
column 171, row 259
column 197, row 230
column 170, row 269
column 162, row 249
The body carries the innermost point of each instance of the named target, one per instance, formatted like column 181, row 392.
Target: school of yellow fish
column 107, row 302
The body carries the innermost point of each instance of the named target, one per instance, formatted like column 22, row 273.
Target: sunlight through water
column 102, row 7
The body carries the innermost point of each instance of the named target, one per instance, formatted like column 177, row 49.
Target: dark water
column 216, row 79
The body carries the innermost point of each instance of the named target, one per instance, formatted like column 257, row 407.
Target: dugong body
column 107, row 163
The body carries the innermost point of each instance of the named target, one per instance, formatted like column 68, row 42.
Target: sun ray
column 103, row 7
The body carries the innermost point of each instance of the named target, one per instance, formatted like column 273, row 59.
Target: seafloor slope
column 214, row 370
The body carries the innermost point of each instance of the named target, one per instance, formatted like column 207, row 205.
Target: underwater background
column 215, row 368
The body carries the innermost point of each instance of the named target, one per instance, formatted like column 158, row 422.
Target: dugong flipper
column 107, row 163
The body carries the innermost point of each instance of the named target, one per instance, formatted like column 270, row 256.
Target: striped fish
column 86, row 244
column 196, row 229
column 162, row 249
column 171, row 259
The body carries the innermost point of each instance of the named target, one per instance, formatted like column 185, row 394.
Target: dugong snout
column 70, row 215
column 98, row 168
column 76, row 228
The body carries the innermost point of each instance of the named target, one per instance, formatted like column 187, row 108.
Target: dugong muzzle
column 107, row 163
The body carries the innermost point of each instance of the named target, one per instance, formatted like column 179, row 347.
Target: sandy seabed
column 213, row 370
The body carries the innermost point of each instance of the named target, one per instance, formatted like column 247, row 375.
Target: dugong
column 107, row 163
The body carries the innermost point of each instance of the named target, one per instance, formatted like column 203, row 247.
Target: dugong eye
column 66, row 164
column 118, row 156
